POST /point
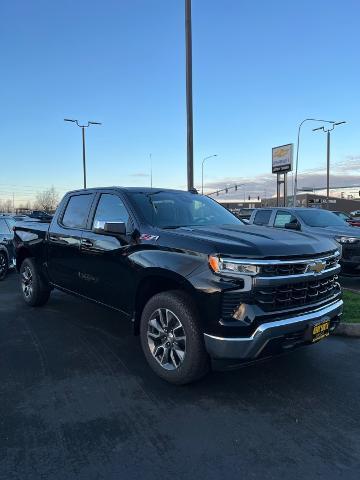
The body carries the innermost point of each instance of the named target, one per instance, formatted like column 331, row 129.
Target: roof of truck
column 147, row 190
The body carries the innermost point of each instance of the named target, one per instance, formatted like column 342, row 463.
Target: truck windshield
column 320, row 218
column 181, row 209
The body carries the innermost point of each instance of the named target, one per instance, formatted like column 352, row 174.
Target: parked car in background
column 197, row 284
column 355, row 222
column 242, row 213
column 355, row 213
column 316, row 221
column 40, row 215
column 7, row 254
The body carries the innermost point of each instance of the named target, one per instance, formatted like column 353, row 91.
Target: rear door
column 262, row 217
column 107, row 269
column 64, row 256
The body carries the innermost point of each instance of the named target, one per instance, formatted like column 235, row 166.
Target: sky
column 259, row 68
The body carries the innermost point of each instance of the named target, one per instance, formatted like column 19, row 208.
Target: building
column 317, row 201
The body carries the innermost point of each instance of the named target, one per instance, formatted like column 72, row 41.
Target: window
column 319, row 218
column 77, row 211
column 3, row 227
column 262, row 217
column 170, row 209
column 110, row 209
column 282, row 218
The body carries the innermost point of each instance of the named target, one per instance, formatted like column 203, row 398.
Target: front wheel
column 35, row 291
column 171, row 338
column 4, row 265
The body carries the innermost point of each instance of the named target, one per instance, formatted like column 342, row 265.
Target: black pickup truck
column 200, row 287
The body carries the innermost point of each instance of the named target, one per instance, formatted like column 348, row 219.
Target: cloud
column 345, row 173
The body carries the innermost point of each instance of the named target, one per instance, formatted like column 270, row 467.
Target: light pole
column 297, row 152
column 202, row 172
column 189, row 102
column 83, row 141
column 327, row 131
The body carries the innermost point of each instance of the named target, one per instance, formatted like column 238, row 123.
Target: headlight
column 231, row 267
column 343, row 240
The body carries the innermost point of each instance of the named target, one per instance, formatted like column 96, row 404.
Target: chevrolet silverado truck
column 200, row 287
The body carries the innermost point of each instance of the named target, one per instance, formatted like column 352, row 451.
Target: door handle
column 86, row 243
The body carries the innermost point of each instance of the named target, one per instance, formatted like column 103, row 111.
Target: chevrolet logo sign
column 316, row 267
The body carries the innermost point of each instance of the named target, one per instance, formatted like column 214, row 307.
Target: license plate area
column 319, row 330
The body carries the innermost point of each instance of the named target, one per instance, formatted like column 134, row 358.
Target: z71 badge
column 147, row 237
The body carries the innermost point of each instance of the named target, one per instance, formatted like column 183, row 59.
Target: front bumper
column 250, row 348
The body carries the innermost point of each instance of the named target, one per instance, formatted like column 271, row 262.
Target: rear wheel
column 4, row 265
column 35, row 291
column 171, row 338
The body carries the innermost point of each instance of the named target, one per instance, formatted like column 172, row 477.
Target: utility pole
column 189, row 101
column 84, row 155
column 83, row 142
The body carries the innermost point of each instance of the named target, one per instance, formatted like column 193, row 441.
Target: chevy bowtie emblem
column 316, row 267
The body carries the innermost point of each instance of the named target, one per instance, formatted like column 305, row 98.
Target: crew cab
column 314, row 220
column 200, row 287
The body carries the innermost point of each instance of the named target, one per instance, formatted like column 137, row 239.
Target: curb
column 348, row 330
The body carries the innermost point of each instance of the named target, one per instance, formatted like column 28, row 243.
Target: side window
column 282, row 218
column 262, row 217
column 77, row 211
column 3, row 227
column 110, row 209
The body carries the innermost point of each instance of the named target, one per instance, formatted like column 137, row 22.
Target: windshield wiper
column 169, row 227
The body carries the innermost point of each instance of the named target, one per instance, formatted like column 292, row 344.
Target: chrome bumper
column 251, row 347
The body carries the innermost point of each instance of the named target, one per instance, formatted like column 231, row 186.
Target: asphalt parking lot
column 79, row 402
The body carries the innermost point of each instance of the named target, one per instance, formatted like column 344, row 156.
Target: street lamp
column 202, row 172
column 327, row 131
column 297, row 152
column 83, row 141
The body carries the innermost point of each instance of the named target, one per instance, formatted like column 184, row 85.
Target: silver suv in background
column 316, row 221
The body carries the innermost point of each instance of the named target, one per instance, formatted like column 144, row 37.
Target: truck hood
column 345, row 231
column 256, row 241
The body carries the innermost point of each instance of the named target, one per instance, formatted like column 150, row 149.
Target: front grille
column 281, row 268
column 230, row 303
column 296, row 294
column 284, row 269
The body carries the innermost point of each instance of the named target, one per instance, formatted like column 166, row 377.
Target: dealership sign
column 282, row 158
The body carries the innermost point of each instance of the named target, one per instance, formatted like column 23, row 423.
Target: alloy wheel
column 166, row 338
column 27, row 282
column 3, row 261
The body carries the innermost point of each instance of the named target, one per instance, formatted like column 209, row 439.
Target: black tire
column 194, row 362
column 35, row 291
column 4, row 265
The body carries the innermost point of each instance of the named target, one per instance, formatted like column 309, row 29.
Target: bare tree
column 6, row 206
column 47, row 200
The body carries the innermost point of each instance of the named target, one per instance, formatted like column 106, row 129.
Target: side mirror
column 293, row 226
column 118, row 228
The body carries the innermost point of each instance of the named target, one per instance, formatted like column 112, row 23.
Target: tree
column 6, row 206
column 47, row 200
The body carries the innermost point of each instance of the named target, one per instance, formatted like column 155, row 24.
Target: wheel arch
column 155, row 283
column 21, row 254
column 4, row 250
